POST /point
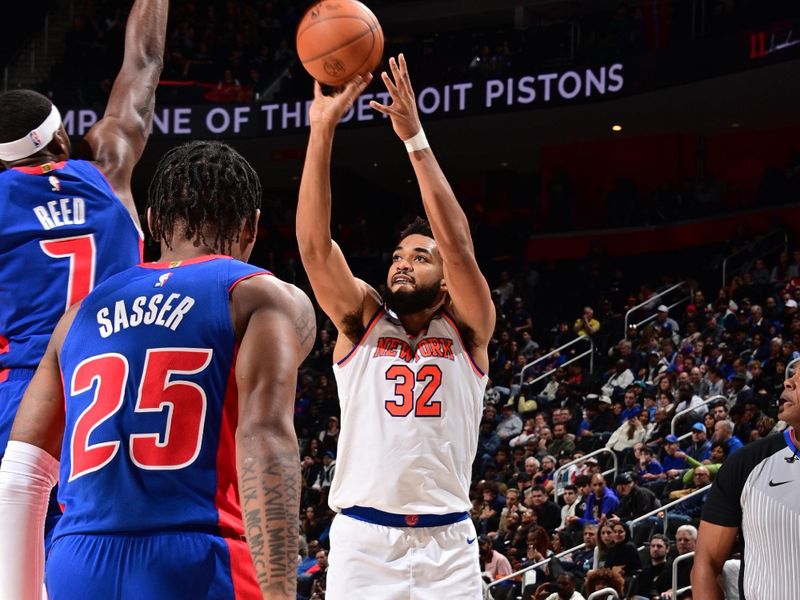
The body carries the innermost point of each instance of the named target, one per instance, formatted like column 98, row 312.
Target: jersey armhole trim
column 372, row 322
column 248, row 276
column 447, row 317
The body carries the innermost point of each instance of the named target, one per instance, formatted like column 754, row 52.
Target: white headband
column 34, row 141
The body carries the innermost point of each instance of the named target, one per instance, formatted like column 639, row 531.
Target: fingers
column 390, row 86
column 317, row 89
column 355, row 86
column 382, row 108
column 398, row 77
column 404, row 70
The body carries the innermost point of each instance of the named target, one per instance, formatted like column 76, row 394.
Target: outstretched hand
column 403, row 109
column 329, row 110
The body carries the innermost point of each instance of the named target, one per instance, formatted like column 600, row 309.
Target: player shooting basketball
column 410, row 369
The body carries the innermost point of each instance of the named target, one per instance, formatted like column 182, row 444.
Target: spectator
column 723, row 432
column 645, row 587
column 619, row 380
column 602, row 502
column 648, row 470
column 689, row 510
column 621, row 556
column 518, row 318
column 627, row 435
column 548, row 515
column 631, row 408
column 700, row 448
column 571, row 501
column 493, row 564
column 685, row 540
column 510, row 424
column 562, row 441
column 564, row 589
column 488, row 443
column 587, row 324
column 634, row 501
column 673, row 458
column 664, row 325
column 329, row 437
column 527, row 434
column 599, row 579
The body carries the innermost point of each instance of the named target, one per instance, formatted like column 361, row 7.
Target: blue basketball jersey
column 62, row 231
column 152, row 403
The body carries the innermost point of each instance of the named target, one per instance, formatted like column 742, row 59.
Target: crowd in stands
column 733, row 347
column 232, row 51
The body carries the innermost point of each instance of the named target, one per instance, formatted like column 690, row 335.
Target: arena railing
column 541, row 563
column 553, row 353
column 665, row 510
column 604, row 594
column 676, row 593
column 686, row 411
column 565, row 553
column 653, row 302
column 557, row 488
column 764, row 246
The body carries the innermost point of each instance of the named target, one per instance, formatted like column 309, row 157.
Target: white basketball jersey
column 411, row 407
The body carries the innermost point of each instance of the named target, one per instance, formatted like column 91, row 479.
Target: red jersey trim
column 179, row 263
column 226, row 498
column 249, row 276
column 243, row 573
column 446, row 316
column 42, row 169
column 378, row 313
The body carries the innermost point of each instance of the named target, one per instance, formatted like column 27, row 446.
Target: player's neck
column 184, row 250
column 39, row 158
column 415, row 322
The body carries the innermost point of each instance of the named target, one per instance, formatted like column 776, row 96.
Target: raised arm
column 714, row 544
column 276, row 325
column 118, row 139
column 469, row 293
column 338, row 292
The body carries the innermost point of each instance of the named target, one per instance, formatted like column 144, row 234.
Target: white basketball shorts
column 376, row 562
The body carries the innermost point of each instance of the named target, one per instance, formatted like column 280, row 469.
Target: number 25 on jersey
column 183, row 403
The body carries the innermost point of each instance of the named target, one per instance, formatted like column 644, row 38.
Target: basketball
column 339, row 39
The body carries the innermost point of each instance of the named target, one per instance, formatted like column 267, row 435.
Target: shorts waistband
column 16, row 374
column 379, row 517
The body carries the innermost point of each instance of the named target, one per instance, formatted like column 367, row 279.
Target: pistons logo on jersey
column 162, row 280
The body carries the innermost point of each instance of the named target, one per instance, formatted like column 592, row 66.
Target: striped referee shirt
column 758, row 488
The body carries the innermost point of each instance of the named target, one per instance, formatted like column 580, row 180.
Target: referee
column 756, row 490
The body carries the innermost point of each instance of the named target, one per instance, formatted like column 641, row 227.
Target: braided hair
column 206, row 188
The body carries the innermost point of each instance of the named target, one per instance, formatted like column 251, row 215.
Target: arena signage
column 451, row 99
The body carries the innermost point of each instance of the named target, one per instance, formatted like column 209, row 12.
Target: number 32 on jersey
column 405, row 380
column 183, row 402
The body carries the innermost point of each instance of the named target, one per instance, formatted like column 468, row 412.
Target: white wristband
column 417, row 142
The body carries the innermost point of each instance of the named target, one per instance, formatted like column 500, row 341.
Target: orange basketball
column 339, row 39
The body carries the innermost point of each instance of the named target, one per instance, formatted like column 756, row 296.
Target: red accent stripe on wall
column 641, row 240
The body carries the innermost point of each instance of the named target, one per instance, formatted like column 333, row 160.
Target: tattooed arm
column 118, row 139
column 275, row 326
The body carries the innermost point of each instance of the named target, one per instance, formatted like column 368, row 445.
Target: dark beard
column 406, row 303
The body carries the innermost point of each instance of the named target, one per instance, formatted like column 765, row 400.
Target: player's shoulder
column 261, row 288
